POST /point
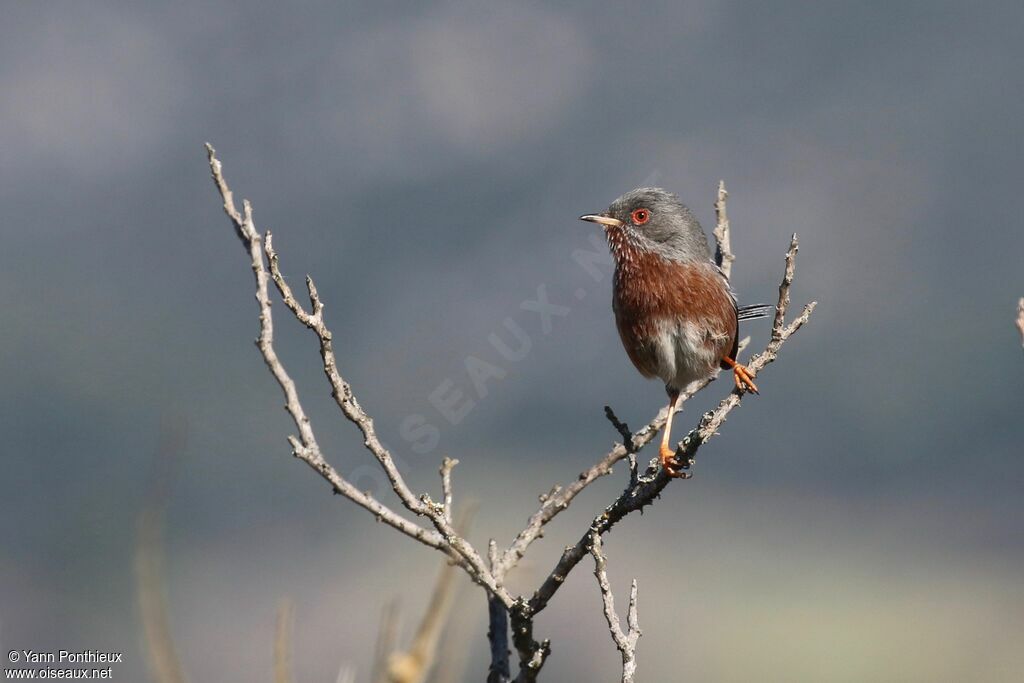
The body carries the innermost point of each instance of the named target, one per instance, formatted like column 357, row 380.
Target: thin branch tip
column 723, row 241
column 266, row 268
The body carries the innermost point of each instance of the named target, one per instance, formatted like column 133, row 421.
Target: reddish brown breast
column 651, row 292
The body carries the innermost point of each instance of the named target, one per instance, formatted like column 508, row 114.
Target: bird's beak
column 603, row 219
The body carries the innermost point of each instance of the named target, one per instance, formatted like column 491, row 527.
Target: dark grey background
column 860, row 520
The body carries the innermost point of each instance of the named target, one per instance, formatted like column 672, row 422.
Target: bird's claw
column 744, row 380
column 670, row 463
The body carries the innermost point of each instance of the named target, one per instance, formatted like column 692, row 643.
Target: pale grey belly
column 683, row 352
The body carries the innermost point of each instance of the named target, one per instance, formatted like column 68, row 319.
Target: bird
column 675, row 311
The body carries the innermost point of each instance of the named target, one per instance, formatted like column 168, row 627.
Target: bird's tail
column 754, row 311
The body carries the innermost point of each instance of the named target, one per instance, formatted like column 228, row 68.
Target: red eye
column 641, row 216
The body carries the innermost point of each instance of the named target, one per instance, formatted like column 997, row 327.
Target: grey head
column 656, row 220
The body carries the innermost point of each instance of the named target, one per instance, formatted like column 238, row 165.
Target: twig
column 723, row 249
column 621, row 427
column 787, row 281
column 625, row 642
column 346, row 400
column 340, row 389
column 305, row 446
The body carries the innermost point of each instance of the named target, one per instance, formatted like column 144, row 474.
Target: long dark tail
column 754, row 311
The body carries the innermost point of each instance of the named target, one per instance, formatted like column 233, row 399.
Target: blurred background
column 861, row 520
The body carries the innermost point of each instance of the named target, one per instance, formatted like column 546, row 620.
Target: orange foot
column 669, row 463
column 744, row 380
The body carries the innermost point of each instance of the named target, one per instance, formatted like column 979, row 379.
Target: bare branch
column 283, row 642
column 625, row 642
column 723, row 247
column 787, row 281
column 632, row 620
column 305, row 446
column 346, row 401
column 341, row 391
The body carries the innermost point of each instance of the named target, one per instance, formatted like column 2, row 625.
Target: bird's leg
column 668, row 454
column 744, row 380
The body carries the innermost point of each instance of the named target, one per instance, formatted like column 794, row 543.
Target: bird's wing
column 748, row 312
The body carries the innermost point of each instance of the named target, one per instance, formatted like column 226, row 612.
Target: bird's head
column 655, row 220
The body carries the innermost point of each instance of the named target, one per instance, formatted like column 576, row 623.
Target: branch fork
column 625, row 641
